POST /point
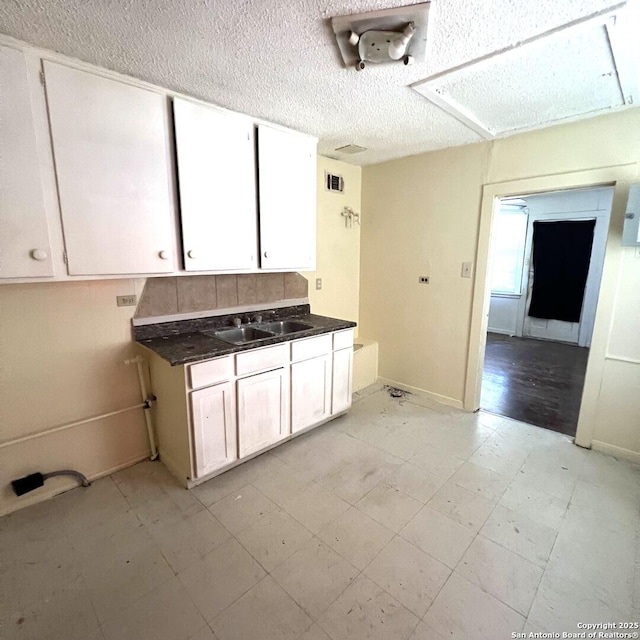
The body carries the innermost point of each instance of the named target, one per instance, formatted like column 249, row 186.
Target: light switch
column 318, row 284
column 467, row 269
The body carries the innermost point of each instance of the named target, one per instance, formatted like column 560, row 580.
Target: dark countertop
column 183, row 342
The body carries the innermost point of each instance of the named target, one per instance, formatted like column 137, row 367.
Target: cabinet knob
column 39, row 254
column 192, row 254
column 164, row 255
column 266, row 254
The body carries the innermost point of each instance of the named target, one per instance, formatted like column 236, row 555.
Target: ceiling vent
column 334, row 182
column 356, row 49
column 350, row 149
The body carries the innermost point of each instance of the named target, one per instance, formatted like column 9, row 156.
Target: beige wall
column 338, row 247
column 421, row 216
column 62, row 349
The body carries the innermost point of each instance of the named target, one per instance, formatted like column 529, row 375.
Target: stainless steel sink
column 241, row 335
column 282, row 327
column 245, row 335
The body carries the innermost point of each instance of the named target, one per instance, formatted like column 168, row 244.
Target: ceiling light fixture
column 390, row 35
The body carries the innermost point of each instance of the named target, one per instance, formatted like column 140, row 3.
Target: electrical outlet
column 127, row 301
column 423, row 279
column 467, row 269
column 318, row 284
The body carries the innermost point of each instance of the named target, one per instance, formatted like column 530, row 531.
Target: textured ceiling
column 279, row 61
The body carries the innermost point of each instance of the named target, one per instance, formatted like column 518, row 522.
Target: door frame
column 619, row 177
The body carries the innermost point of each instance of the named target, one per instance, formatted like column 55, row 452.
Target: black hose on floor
column 36, row 480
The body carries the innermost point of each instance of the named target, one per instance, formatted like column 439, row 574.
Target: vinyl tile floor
column 401, row 520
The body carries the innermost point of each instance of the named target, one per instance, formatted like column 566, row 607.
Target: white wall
column 503, row 315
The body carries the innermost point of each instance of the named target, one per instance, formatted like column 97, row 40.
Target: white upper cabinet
column 111, row 149
column 287, row 196
column 216, row 176
column 25, row 248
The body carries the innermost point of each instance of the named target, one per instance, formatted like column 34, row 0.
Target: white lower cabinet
column 310, row 392
column 342, row 375
column 263, row 416
column 213, row 420
column 212, row 414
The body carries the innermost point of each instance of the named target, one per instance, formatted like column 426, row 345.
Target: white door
column 110, row 143
column 25, row 250
column 287, row 199
column 263, row 410
column 544, row 329
column 213, row 418
column 342, row 376
column 310, row 392
column 571, row 332
column 216, row 171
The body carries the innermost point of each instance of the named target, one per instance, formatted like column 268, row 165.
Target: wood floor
column 534, row 381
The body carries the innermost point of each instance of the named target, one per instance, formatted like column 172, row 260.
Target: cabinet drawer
column 261, row 359
column 311, row 347
column 343, row 339
column 210, row 372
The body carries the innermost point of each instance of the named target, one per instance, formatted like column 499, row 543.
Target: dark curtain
column 561, row 256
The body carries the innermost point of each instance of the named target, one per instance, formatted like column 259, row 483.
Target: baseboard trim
column 617, row 452
column 502, row 332
column 450, row 402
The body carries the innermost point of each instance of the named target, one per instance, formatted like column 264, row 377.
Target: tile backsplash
column 198, row 294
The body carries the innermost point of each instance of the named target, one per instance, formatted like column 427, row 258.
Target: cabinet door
column 110, row 143
column 213, row 419
column 287, row 197
column 216, row 171
column 263, row 410
column 25, row 250
column 310, row 392
column 342, row 374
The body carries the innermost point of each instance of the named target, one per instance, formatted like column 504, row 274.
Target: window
column 509, row 236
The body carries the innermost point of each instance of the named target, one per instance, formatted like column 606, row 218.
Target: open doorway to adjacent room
column 547, row 253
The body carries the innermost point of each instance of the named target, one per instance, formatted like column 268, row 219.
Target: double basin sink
column 263, row 331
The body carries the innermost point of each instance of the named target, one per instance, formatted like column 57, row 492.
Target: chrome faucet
column 257, row 317
column 236, row 322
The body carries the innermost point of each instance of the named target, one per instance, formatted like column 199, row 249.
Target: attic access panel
column 385, row 20
column 573, row 72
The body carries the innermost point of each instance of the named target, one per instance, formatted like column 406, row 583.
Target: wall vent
column 334, row 182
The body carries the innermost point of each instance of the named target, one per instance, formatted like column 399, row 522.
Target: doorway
column 545, row 269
